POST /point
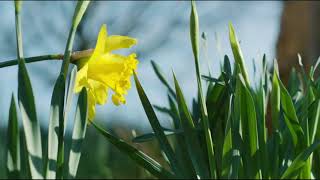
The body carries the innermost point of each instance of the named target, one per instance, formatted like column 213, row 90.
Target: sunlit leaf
column 56, row 116
column 299, row 161
column 13, row 143
column 138, row 156
column 79, row 132
column 155, row 124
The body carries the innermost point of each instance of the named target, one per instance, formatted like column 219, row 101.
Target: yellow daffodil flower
column 104, row 71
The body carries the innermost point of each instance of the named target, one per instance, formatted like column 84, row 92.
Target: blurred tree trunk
column 299, row 33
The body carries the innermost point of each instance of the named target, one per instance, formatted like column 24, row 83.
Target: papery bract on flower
column 104, row 71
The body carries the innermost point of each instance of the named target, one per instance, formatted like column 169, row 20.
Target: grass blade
column 56, row 117
column 236, row 165
column 77, row 16
column 70, row 95
column 294, row 169
column 260, row 102
column 237, row 53
column 314, row 122
column 275, row 101
column 194, row 36
column 13, row 143
column 190, row 134
column 79, row 132
column 212, row 79
column 227, row 145
column 249, row 131
column 27, row 107
column 154, row 122
column 139, row 157
column 160, row 75
column 151, row 136
column 30, row 122
column 290, row 117
column 175, row 113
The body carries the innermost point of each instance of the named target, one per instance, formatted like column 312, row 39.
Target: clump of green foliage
column 235, row 130
column 30, row 157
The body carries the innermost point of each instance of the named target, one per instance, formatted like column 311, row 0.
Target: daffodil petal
column 118, row 99
column 104, row 71
column 100, row 91
column 107, row 69
column 114, row 71
column 81, row 79
column 91, row 105
column 119, row 42
column 101, row 41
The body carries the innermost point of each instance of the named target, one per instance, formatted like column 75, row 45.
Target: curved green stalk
column 74, row 57
column 78, row 14
column 80, row 10
column 194, row 34
column 32, row 59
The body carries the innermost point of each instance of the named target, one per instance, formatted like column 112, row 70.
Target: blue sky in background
column 162, row 29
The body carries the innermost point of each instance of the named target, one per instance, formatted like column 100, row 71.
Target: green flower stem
column 194, row 34
column 17, row 5
column 74, row 58
column 67, row 54
column 32, row 59
column 78, row 14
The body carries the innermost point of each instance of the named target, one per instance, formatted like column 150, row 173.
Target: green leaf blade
column 190, row 135
column 27, row 106
column 275, row 101
column 249, row 131
column 290, row 115
column 70, row 95
column 194, row 36
column 138, row 156
column 79, row 132
column 237, row 53
column 30, row 122
column 154, row 122
column 161, row 77
column 77, row 16
column 13, row 143
column 56, row 117
column 227, row 144
column 300, row 161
